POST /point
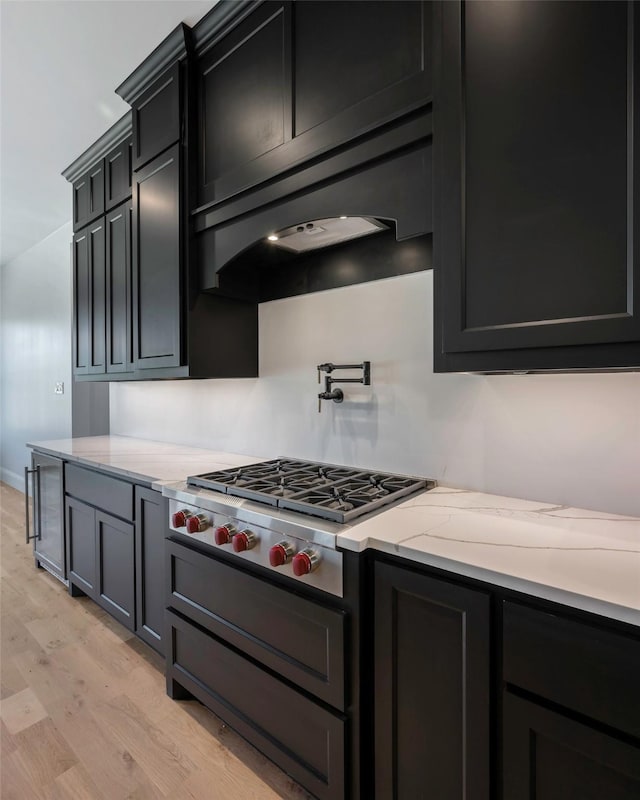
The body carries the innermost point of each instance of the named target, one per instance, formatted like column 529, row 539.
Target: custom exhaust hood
column 368, row 222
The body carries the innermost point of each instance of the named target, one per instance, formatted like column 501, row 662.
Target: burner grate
column 324, row 490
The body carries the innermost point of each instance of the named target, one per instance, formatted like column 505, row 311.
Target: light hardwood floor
column 83, row 709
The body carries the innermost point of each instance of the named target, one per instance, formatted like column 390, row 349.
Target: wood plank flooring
column 83, row 709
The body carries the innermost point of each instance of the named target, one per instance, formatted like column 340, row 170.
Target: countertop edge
column 564, row 597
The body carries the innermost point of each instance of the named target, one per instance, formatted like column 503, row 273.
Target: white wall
column 567, row 439
column 35, row 348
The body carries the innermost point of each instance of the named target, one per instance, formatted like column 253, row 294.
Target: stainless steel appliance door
column 48, row 513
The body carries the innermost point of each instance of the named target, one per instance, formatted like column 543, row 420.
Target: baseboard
column 12, row 479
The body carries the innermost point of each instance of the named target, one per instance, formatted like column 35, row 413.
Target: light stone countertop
column 143, row 460
column 584, row 559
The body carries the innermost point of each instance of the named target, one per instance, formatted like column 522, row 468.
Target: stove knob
column 197, row 523
column 244, row 540
column 179, row 519
column 305, row 562
column 224, row 533
column 281, row 553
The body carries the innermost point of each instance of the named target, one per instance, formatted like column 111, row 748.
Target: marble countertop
column 583, row 559
column 143, row 460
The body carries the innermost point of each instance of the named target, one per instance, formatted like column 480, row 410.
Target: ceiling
column 60, row 61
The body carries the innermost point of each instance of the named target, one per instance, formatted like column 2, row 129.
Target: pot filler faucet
column 337, row 395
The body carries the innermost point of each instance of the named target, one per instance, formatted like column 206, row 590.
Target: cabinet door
column 117, row 174
column 97, row 294
column 81, row 545
column 547, row 756
column 157, row 263
column 152, row 514
column 119, row 357
column 81, row 303
column 156, row 117
column 536, row 258
column 88, row 196
column 115, row 567
column 432, row 691
column 49, row 545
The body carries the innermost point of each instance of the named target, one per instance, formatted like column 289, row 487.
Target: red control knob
column 305, row 562
column 223, row 534
column 179, row 519
column 197, row 523
column 280, row 554
column 244, row 540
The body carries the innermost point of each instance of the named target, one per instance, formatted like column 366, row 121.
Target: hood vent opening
column 264, row 272
column 314, row 234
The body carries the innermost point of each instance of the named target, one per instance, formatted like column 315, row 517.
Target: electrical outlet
column 59, row 388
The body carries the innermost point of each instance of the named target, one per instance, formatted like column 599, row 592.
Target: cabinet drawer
column 584, row 668
column 99, row 490
column 307, row 741
column 297, row 638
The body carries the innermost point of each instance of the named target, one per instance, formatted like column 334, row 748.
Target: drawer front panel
column 101, row 491
column 589, row 670
column 307, row 741
column 297, row 638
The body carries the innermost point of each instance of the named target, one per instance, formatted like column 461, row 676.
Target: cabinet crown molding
column 174, row 48
column 99, row 148
column 219, row 21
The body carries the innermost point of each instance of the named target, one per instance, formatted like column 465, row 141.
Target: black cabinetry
column 158, row 295
column 118, row 307
column 280, row 666
column 89, row 292
column 157, row 116
column 117, row 169
column 293, row 80
column 151, row 515
column 535, row 134
column 88, row 195
column 432, row 687
column 571, row 709
column 100, row 540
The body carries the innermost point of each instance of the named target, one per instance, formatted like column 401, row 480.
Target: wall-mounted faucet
column 337, row 395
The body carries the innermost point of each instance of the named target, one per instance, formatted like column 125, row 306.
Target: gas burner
column 332, row 492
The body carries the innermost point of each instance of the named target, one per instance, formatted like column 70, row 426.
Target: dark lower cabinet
column 151, row 513
column 432, row 688
column 549, row 756
column 536, row 256
column 81, row 546
column 100, row 558
column 114, row 567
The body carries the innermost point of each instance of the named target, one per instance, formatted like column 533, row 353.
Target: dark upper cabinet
column 119, row 354
column 536, row 245
column 157, row 116
column 358, row 64
column 157, row 263
column 88, row 196
column 89, row 287
column 293, row 80
column 117, row 172
column 432, row 687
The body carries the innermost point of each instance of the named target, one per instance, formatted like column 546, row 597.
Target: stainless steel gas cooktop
column 331, row 492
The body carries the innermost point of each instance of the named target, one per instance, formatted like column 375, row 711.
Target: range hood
column 314, row 234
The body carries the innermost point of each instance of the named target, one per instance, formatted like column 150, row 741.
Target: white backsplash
column 566, row 439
